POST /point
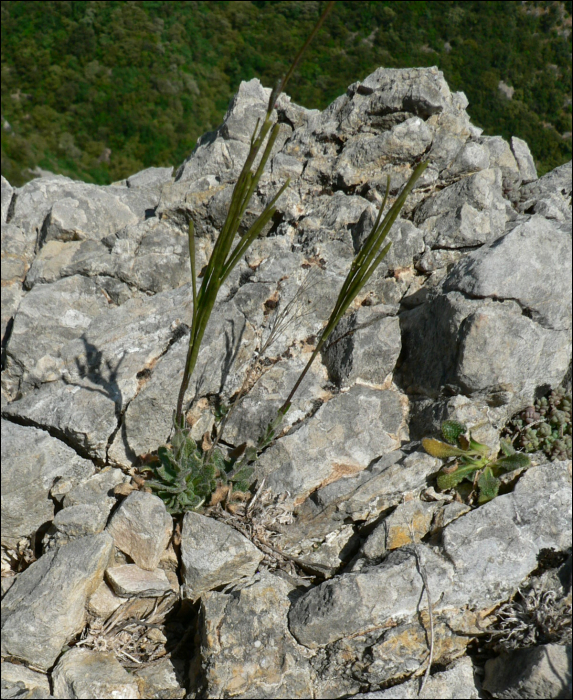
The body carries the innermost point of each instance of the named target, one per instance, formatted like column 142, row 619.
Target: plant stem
column 362, row 268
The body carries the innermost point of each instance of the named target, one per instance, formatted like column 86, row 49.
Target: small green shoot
column 473, row 461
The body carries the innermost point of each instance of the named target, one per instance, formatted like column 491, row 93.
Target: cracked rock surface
column 314, row 589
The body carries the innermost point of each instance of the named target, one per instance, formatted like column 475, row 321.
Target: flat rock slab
column 515, row 267
column 214, row 554
column 162, row 679
column 82, row 673
column 64, row 310
column 483, row 347
column 97, row 490
column 130, row 581
column 141, row 527
column 495, row 547
column 73, row 522
column 469, row 212
column 354, row 603
column 542, row 671
column 45, row 607
column 457, row 681
column 247, row 650
column 32, row 461
column 343, row 438
column 14, row 676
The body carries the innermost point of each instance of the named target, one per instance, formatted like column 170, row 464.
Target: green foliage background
column 146, row 79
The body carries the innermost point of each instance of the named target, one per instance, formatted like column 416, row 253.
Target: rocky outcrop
column 320, row 588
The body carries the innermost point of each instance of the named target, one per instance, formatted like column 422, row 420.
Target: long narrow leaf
column 436, row 448
column 447, row 480
column 222, row 261
column 193, row 269
column 265, row 216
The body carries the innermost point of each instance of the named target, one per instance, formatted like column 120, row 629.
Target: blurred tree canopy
column 100, row 90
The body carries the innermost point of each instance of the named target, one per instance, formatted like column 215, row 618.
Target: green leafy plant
column 545, row 426
column 189, row 476
column 473, row 461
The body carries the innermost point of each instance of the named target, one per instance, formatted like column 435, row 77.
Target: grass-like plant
column 188, row 475
column 224, row 257
column 474, row 462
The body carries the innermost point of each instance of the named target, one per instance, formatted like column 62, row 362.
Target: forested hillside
column 100, row 90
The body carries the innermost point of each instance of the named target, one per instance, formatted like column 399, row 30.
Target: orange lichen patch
column 400, row 273
column 196, row 412
column 341, row 470
column 412, row 641
column 400, row 536
column 144, row 374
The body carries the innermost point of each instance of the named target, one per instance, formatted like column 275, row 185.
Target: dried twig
column 292, row 313
column 423, row 574
column 126, row 635
column 258, row 523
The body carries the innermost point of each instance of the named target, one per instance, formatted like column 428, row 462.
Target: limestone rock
column 396, row 530
column 45, row 608
column 457, row 681
column 549, row 196
column 7, row 194
column 162, row 679
column 543, row 671
column 496, row 271
column 345, row 436
column 104, row 601
column 141, row 527
column 23, row 682
column 83, row 673
column 75, row 521
column 493, row 550
column 64, row 310
column 130, row 581
column 467, row 318
column 525, row 162
column 97, row 490
column 32, row 462
column 247, row 650
column 213, row 554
